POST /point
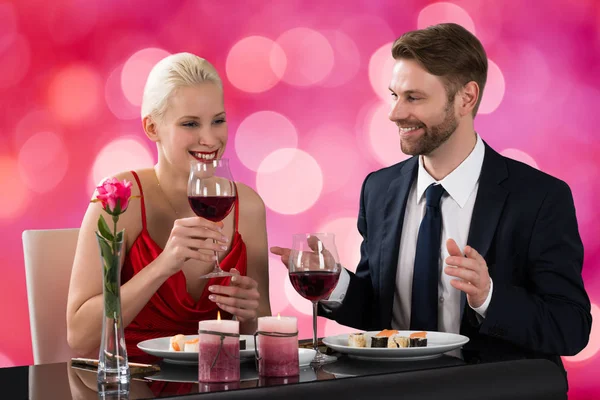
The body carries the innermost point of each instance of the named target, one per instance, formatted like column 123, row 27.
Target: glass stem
column 315, row 345
column 217, row 265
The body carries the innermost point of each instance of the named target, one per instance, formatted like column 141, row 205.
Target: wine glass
column 211, row 194
column 314, row 271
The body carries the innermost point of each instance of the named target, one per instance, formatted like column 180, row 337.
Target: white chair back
column 49, row 258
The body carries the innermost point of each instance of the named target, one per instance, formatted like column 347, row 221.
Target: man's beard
column 432, row 137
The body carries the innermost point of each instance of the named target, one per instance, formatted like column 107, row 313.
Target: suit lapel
column 396, row 197
column 488, row 205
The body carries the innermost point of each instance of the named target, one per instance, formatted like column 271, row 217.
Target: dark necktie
column 424, row 304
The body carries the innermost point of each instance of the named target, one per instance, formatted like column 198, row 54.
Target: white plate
column 438, row 343
column 160, row 348
column 305, row 356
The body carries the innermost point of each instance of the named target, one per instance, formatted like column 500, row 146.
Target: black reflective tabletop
column 445, row 377
column 65, row 380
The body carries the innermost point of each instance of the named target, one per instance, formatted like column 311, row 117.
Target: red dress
column 171, row 310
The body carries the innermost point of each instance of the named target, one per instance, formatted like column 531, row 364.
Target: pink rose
column 114, row 195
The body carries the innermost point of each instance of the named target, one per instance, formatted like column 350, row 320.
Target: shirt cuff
column 482, row 310
column 339, row 292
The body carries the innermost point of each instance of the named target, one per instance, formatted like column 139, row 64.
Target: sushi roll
column 397, row 341
column 387, row 332
column 191, row 346
column 418, row 339
column 379, row 341
column 177, row 343
column 357, row 340
column 242, row 344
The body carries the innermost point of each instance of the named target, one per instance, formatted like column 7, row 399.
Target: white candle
column 226, row 368
column 278, row 324
column 278, row 355
column 219, row 325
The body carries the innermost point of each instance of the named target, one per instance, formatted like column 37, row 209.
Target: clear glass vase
column 113, row 367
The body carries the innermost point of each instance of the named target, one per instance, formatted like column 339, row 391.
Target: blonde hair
column 170, row 73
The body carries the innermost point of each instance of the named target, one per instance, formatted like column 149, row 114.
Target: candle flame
column 278, row 316
column 218, row 315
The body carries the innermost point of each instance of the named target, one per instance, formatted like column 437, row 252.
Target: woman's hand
column 192, row 238
column 240, row 298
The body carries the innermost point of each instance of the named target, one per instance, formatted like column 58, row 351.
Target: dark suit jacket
column 523, row 224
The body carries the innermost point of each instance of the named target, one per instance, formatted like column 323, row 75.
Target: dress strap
column 137, row 179
column 237, row 207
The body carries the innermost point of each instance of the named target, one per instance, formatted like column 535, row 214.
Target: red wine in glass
column 211, row 194
column 314, row 285
column 212, row 208
column 314, row 271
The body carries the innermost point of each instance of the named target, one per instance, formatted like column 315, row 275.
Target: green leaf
column 104, row 229
column 106, row 252
column 110, row 304
column 120, row 236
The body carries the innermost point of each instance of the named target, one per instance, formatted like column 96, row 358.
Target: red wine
column 213, row 208
column 314, row 285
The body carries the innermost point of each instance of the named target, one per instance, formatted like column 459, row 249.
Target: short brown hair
column 448, row 51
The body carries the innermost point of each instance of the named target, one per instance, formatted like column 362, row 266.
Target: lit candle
column 226, row 368
column 278, row 355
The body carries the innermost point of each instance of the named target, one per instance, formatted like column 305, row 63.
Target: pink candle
column 227, row 365
column 278, row 355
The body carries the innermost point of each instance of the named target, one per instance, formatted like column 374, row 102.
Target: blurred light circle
column 15, row 196
column 258, row 72
column 115, row 99
column 74, row 94
column 346, row 56
column 278, row 274
column 381, row 65
column 135, row 72
column 15, row 59
column 43, row 161
column 384, row 137
column 442, row 12
column 120, row 155
column 521, row 156
column 309, row 56
column 262, row 133
column 293, row 188
column 493, row 92
column 338, row 166
column 35, row 121
column 347, row 240
column 594, row 343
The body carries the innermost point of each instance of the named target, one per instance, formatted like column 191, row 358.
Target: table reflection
column 346, row 367
column 65, row 381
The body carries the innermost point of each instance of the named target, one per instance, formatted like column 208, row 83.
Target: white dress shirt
column 457, row 208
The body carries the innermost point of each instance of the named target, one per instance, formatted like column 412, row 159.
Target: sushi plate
column 160, row 348
column 438, row 343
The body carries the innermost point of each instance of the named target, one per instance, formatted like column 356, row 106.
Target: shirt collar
column 459, row 183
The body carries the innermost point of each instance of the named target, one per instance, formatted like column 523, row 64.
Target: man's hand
column 471, row 271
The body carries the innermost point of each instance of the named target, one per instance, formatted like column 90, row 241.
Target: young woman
column 168, row 246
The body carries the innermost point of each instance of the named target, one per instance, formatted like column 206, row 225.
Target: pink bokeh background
column 306, row 94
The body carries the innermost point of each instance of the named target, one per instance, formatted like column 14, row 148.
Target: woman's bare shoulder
column 143, row 175
column 250, row 200
column 131, row 219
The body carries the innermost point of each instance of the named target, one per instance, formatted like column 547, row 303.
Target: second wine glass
column 211, row 194
column 314, row 271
